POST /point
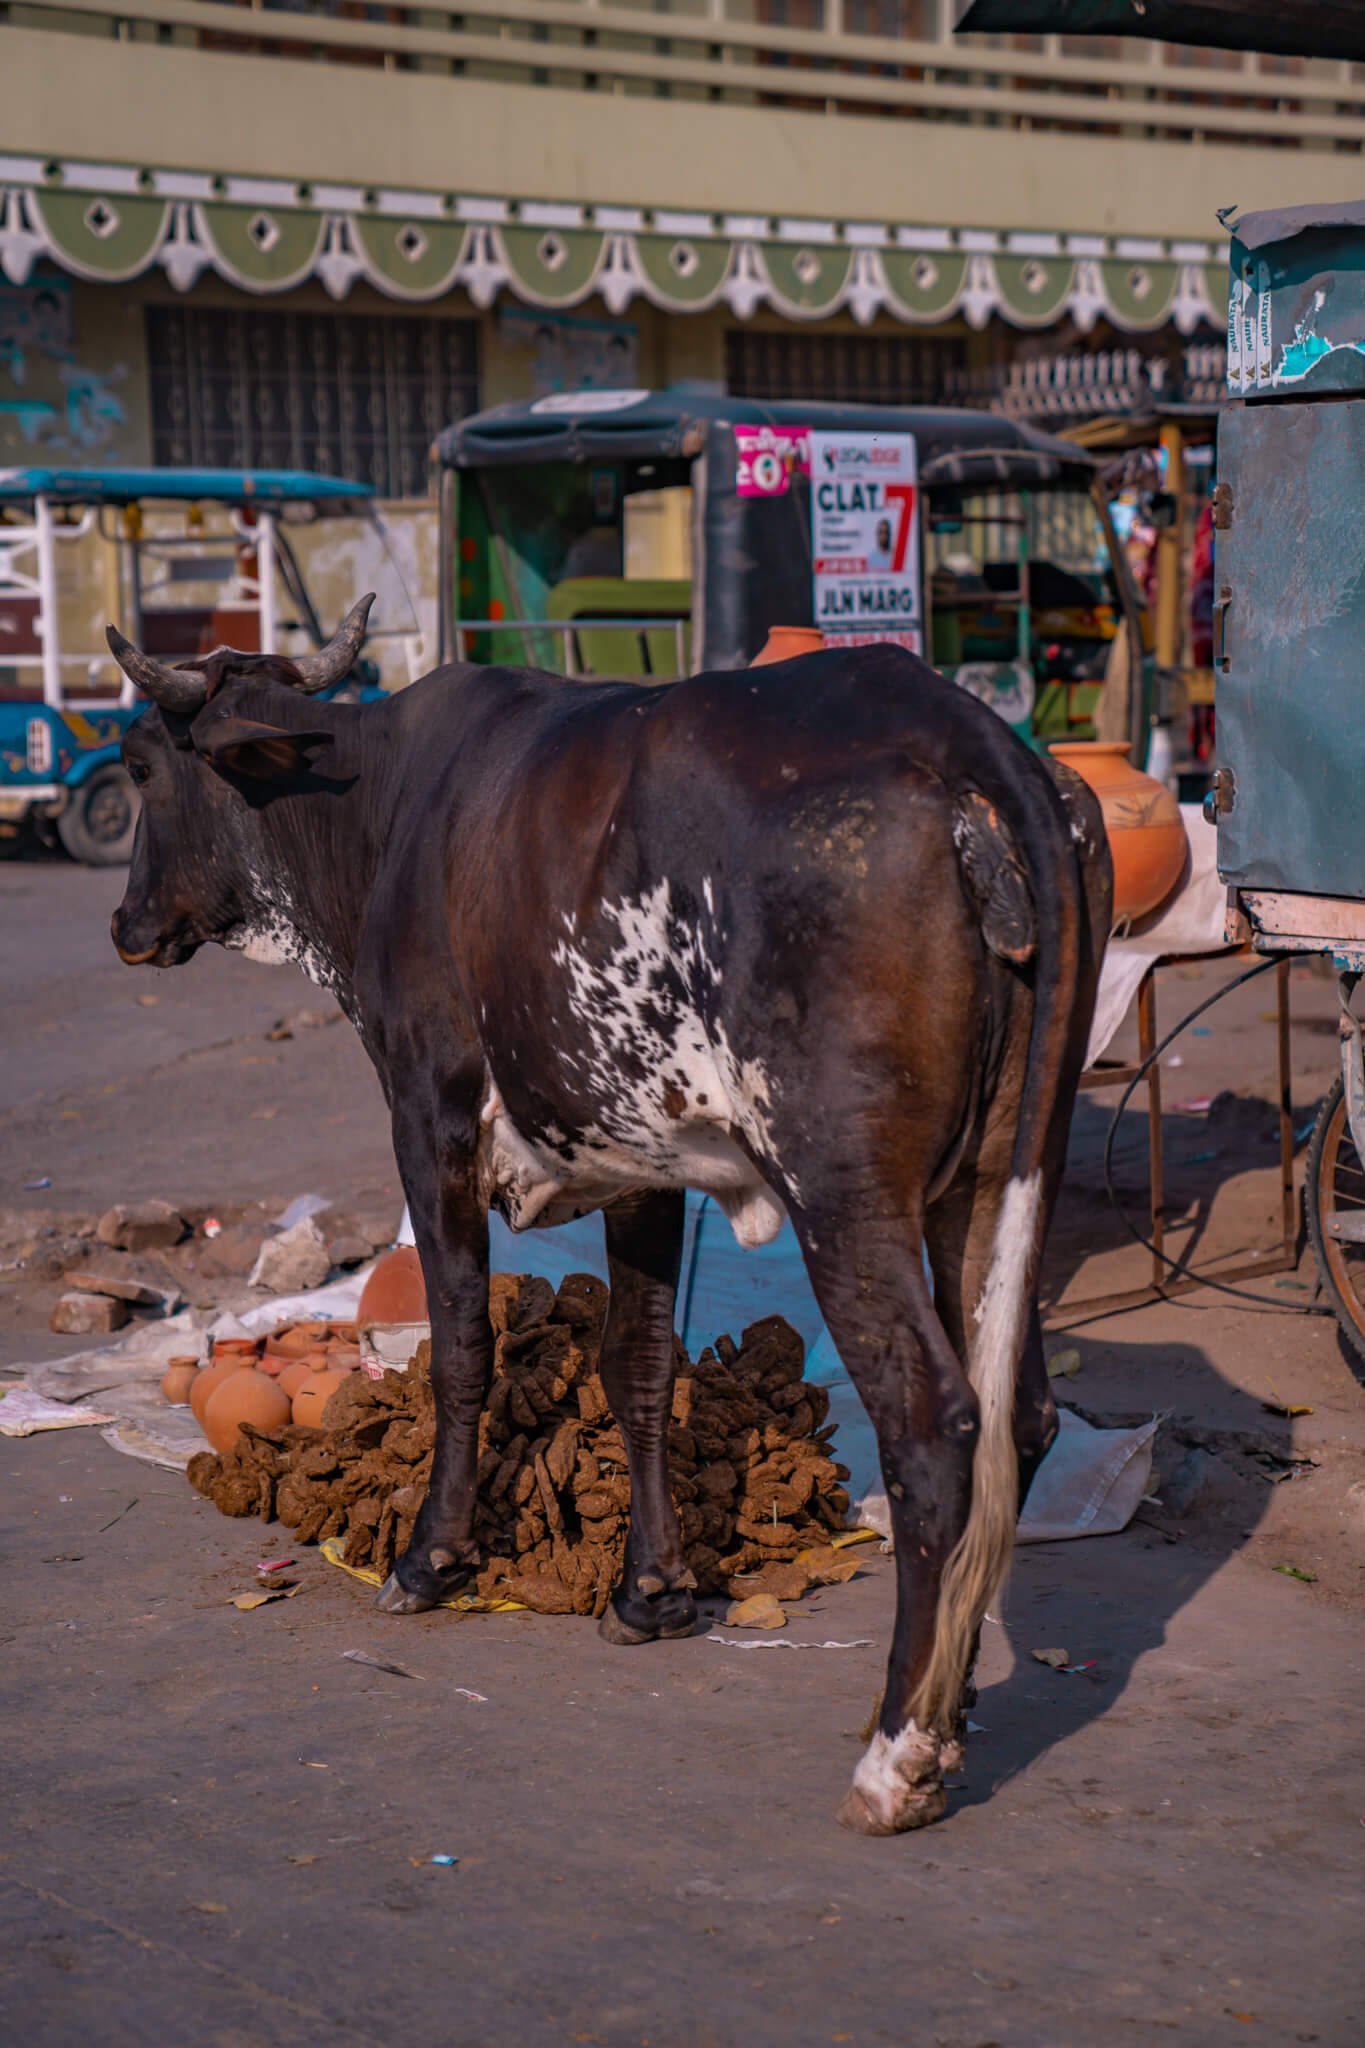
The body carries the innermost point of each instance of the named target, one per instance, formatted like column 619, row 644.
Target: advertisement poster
column 768, row 458
column 864, row 511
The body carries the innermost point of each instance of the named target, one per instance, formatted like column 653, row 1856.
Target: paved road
column 120, row 1083
column 216, row 1827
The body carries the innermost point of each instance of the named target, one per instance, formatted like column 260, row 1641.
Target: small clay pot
column 244, row 1396
column 347, row 1356
column 316, row 1391
column 292, row 1376
column 785, row 642
column 179, row 1376
column 345, row 1333
column 223, row 1364
column 395, row 1291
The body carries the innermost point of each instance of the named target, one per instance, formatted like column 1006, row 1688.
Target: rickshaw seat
column 643, row 654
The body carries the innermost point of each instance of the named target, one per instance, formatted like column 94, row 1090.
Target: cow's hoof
column 899, row 1783
column 665, row 1619
column 918, row 1809
column 394, row 1598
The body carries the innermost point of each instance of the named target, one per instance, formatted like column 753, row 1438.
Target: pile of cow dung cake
column 748, row 1459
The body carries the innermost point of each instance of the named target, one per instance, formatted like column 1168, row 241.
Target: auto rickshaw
column 648, row 535
column 180, row 581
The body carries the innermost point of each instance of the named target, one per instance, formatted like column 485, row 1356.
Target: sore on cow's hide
column 995, row 878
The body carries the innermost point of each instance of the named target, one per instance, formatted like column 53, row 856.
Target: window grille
column 357, row 395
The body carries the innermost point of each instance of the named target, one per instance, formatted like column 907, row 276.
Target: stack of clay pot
column 289, row 1375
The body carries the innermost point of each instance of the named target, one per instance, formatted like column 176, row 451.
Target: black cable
column 1179, row 1265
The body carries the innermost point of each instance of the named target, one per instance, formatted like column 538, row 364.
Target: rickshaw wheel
column 98, row 824
column 1335, row 1183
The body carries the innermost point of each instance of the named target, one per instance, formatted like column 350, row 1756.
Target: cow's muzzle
column 165, row 950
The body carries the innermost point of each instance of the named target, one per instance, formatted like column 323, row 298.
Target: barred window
column 872, row 369
column 357, row 395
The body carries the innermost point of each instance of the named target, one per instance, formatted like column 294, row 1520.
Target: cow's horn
column 319, row 671
column 174, row 689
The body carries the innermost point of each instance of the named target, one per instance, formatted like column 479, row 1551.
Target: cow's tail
column 979, row 1563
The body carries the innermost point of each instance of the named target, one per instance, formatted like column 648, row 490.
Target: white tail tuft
column 977, row 1567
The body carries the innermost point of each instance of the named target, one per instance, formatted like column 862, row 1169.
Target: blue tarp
column 722, row 1288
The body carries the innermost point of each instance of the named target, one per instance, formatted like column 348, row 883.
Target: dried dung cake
column 749, row 1463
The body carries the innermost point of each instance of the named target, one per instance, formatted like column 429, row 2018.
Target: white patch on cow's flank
column 674, row 1105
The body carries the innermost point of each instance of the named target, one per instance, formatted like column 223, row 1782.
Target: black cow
column 820, row 939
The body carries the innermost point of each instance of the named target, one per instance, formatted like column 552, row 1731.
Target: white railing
column 725, row 50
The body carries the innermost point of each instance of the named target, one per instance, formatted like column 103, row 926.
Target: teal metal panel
column 1296, row 312
column 1290, row 584
column 259, row 487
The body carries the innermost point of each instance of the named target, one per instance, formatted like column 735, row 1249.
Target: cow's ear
column 267, row 752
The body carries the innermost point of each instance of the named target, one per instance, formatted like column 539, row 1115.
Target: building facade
column 310, row 235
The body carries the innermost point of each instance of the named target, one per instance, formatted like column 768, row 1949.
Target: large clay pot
column 227, row 1359
column 395, row 1291
column 785, row 642
column 392, row 1315
column 245, row 1396
column 1142, row 821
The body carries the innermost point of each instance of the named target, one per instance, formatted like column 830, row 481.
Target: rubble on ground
column 141, row 1226
column 749, row 1460
column 87, row 1315
column 294, row 1261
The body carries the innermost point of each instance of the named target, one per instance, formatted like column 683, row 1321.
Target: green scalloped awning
column 278, row 243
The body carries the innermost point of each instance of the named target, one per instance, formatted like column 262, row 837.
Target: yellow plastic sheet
column 464, row 1603
column 471, row 1603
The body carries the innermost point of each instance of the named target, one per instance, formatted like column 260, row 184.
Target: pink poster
column 768, row 459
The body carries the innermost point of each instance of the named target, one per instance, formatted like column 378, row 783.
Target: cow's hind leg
column 960, row 1235
column 644, row 1249
column 869, row 1280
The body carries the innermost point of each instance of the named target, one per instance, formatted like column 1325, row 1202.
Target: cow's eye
column 139, row 772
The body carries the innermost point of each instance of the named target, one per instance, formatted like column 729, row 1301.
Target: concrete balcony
column 897, row 59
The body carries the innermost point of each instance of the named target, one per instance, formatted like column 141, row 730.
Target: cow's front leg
column 451, row 1227
column 644, row 1250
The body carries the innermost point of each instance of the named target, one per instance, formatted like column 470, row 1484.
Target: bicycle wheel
column 1334, row 1191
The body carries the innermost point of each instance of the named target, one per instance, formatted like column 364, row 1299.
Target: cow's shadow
column 1202, row 1152
column 1110, row 1600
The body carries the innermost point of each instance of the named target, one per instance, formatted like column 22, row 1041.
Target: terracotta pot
column 785, row 642
column 179, row 1376
column 1142, row 820
column 395, row 1291
column 292, row 1376
column 316, row 1391
column 345, row 1356
column 245, row 1396
column 345, row 1333
column 224, row 1363
column 295, row 1340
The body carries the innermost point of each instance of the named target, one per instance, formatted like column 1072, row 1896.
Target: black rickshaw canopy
column 955, row 446
column 526, row 472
